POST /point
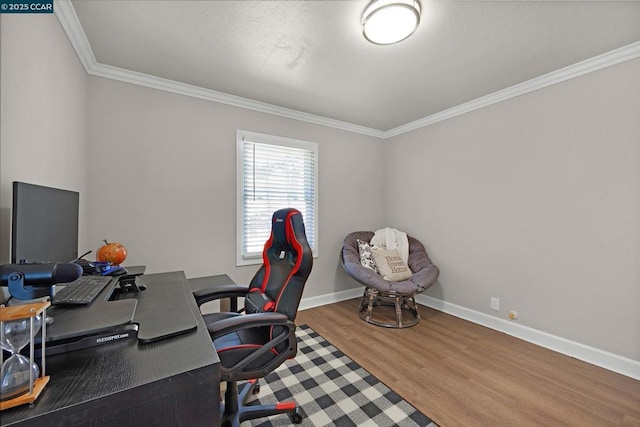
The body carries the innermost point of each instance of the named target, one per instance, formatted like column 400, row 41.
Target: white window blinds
column 274, row 173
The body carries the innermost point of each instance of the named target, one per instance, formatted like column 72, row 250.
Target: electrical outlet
column 495, row 303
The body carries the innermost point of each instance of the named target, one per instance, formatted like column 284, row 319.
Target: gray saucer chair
column 381, row 292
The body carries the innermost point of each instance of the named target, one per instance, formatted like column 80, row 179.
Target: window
column 273, row 173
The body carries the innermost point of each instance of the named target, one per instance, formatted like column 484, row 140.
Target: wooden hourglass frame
column 28, row 311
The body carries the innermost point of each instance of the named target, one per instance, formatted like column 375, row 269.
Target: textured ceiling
column 310, row 55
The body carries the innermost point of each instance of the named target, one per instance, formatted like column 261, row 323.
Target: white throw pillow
column 366, row 259
column 390, row 265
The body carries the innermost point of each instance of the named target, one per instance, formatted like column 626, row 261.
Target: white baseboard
column 330, row 298
column 610, row 361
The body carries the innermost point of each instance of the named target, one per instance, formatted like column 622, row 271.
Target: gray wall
column 536, row 201
column 167, row 162
column 43, row 128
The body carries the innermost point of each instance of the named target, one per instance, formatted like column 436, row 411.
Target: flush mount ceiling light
column 390, row 21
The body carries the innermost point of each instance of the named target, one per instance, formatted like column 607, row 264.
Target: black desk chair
column 252, row 345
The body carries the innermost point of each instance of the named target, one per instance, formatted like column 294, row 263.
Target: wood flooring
column 462, row 374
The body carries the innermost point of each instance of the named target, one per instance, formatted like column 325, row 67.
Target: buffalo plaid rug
column 333, row 390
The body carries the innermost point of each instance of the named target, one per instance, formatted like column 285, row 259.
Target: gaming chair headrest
column 287, row 263
column 287, row 228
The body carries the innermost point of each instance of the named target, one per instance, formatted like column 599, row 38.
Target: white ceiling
column 310, row 56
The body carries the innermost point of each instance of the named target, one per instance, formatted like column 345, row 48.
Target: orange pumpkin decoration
column 115, row 253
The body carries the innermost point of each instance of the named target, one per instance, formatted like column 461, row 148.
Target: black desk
column 171, row 382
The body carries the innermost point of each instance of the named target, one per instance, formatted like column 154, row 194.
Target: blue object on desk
column 107, row 269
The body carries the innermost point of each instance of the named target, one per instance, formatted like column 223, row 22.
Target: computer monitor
column 44, row 224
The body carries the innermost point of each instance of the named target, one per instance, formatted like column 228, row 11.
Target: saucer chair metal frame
column 381, row 292
column 403, row 304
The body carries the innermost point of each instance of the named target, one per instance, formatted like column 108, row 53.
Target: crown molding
column 66, row 14
column 141, row 79
column 616, row 56
column 68, row 18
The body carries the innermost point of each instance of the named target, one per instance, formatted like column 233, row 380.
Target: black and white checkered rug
column 333, row 390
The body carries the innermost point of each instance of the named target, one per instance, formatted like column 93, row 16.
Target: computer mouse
column 87, row 266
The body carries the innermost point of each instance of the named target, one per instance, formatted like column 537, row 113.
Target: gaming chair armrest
column 220, row 291
column 248, row 321
column 246, row 368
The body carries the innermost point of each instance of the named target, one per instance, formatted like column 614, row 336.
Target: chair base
column 403, row 303
column 235, row 410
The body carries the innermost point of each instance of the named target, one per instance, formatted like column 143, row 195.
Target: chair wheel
column 295, row 416
column 256, row 388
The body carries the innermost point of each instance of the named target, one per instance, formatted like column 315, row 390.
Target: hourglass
column 21, row 380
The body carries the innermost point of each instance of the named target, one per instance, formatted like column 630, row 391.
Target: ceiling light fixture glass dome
column 390, row 21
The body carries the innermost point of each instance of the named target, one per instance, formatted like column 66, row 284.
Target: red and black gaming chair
column 252, row 345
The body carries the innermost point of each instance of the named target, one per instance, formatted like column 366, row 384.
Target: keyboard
column 82, row 291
